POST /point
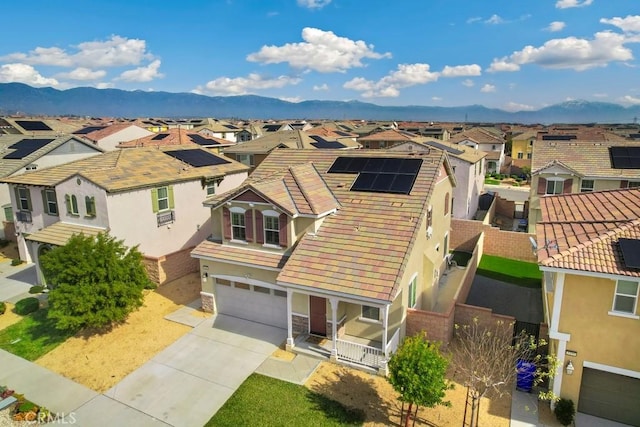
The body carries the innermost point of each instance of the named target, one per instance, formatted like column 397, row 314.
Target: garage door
column 256, row 303
column 610, row 396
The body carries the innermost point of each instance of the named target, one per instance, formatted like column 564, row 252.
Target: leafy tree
column 417, row 371
column 95, row 281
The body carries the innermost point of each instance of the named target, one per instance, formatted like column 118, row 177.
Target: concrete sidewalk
column 15, row 281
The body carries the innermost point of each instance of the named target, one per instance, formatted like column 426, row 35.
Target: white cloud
column 244, row 85
column 320, row 51
column 313, row 4
column 436, row 98
column 566, row 4
column 104, row 85
column 487, row 88
column 556, row 26
column 114, row 52
column 461, row 71
column 406, row 75
column 82, row 74
column 570, row 52
column 142, row 74
column 468, row 83
column 293, row 99
column 323, row 86
column 629, row 24
column 514, row 106
column 494, row 20
column 474, row 19
column 628, row 99
column 23, row 73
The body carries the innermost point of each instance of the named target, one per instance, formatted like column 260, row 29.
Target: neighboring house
column 468, row 167
column 108, row 137
column 332, row 133
column 179, row 136
column 387, row 138
column 19, row 154
column 151, row 197
column 221, row 130
column 522, row 149
column 37, row 126
column 252, row 153
column 485, row 140
column 429, row 130
column 588, row 247
column 561, row 167
column 331, row 243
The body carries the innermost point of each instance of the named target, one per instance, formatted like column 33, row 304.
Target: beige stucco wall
column 130, row 133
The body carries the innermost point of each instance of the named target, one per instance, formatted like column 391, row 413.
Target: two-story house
column 489, row 141
column 179, row 136
column 574, row 166
column 108, row 136
column 387, row 138
column 588, row 247
column 333, row 244
column 150, row 197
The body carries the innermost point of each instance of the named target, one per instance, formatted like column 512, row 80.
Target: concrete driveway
column 185, row 384
column 15, row 281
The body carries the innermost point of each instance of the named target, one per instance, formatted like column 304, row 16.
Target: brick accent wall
column 505, row 207
column 10, row 231
column 207, row 302
column 171, row 266
column 438, row 326
column 464, row 315
column 300, row 324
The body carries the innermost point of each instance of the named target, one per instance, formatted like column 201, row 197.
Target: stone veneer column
column 208, row 305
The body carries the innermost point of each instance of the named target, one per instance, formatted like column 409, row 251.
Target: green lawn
column 509, row 270
column 33, row 336
column 492, row 181
column 264, row 401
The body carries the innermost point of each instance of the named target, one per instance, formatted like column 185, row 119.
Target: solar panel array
column 630, row 252
column 445, row 148
column 160, row 136
column 196, row 158
column 322, row 143
column 88, row 129
column 379, row 174
column 558, row 137
column 32, row 125
column 25, row 147
column 201, row 140
column 625, row 157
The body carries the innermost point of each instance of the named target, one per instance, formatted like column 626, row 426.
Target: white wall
column 67, row 152
column 130, row 133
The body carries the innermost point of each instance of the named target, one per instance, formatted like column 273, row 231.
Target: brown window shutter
column 624, row 183
column 248, row 225
column 284, row 241
column 259, row 227
column 566, row 187
column 542, row 185
column 226, row 223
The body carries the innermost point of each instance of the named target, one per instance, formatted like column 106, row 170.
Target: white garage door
column 256, row 303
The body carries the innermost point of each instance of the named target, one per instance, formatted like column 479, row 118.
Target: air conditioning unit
column 429, row 232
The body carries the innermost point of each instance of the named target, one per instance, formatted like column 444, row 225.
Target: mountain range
column 18, row 98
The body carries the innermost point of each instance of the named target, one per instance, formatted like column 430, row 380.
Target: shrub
column 564, row 411
column 16, row 261
column 36, row 289
column 3, row 307
column 27, row 305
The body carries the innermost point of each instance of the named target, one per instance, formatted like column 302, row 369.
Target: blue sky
column 508, row 54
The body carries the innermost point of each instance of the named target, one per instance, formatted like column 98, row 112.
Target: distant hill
column 18, row 98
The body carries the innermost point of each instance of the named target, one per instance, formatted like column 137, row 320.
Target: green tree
column 417, row 371
column 95, row 281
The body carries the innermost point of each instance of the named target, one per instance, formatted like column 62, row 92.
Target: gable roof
column 104, row 131
column 391, row 135
column 479, row 135
column 176, row 136
column 124, row 170
column 581, row 231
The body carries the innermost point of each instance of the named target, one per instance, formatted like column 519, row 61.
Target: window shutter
column 170, row 192
column 67, row 202
column 28, row 200
column 17, row 194
column 624, row 183
column 248, row 225
column 226, row 223
column 45, row 205
column 566, row 187
column 283, row 231
column 154, row 200
column 542, row 185
column 259, row 227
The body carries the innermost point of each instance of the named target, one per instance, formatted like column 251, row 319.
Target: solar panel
column 342, row 133
column 558, row 137
column 630, row 252
column 445, row 148
column 160, row 136
column 346, row 164
column 32, row 125
column 201, row 140
column 328, row 145
column 625, row 157
column 232, row 127
column 399, row 183
column 341, row 165
column 196, row 157
column 25, row 147
column 88, row 129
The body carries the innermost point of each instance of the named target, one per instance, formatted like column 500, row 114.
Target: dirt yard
column 99, row 361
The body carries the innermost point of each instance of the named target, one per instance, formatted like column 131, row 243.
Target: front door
column 318, row 316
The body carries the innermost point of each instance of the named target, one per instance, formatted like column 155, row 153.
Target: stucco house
column 109, row 136
column 588, row 247
column 151, row 197
column 331, row 244
column 489, row 141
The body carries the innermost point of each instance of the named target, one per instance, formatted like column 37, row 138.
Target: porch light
column 205, row 276
column 569, row 368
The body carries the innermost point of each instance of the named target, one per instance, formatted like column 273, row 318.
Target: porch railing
column 392, row 345
column 360, row 353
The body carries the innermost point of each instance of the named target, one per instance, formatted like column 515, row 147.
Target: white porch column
column 290, row 343
column 334, row 327
column 385, row 330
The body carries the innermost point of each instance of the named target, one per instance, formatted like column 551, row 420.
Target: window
column 633, row 184
column 412, row 292
column 223, row 282
column 371, row 313
column 446, row 204
column 531, row 142
column 554, row 186
column 72, row 204
column 271, row 230
column 625, row 297
column 162, row 199
column 90, row 205
column 8, row 213
column 261, row 289
column 49, row 201
column 586, row 185
column 520, row 155
column 529, row 156
column 245, row 159
column 211, row 188
column 31, row 167
column 279, row 293
column 493, row 147
column 367, row 144
column 238, row 228
column 23, row 197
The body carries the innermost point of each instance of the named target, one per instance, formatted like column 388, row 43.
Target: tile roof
column 580, row 231
column 109, row 130
column 393, row 135
column 244, row 256
column 60, row 232
column 479, row 135
column 271, row 140
column 123, row 170
column 587, row 158
column 462, row 152
column 175, row 136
